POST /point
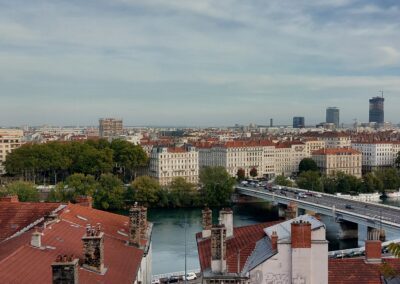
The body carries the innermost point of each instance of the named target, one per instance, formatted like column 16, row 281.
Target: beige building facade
column 167, row 163
column 333, row 161
column 9, row 141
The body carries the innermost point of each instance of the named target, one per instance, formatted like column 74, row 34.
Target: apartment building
column 314, row 145
column 9, row 141
column 240, row 154
column 167, row 163
column 110, row 127
column 288, row 156
column 336, row 140
column 332, row 161
column 377, row 155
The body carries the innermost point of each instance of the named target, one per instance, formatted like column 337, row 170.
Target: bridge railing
column 356, row 251
column 177, row 273
column 390, row 223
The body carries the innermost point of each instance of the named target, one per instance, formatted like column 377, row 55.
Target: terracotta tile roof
column 355, row 270
column 244, row 239
column 246, row 143
column 122, row 261
column 14, row 216
column 288, row 144
column 337, row 151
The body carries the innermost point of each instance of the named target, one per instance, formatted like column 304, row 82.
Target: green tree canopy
column 371, row 183
column 110, row 193
column 347, row 183
column 241, row 174
column 253, row 172
column 183, row 193
column 310, row 180
column 24, row 190
column 283, row 181
column 307, row 164
column 144, row 190
column 389, row 177
column 216, row 186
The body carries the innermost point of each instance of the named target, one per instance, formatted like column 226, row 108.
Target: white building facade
column 167, row 163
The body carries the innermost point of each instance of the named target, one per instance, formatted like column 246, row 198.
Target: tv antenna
column 381, row 93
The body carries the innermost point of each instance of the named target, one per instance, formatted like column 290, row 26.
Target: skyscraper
column 376, row 110
column 110, row 127
column 298, row 122
column 332, row 115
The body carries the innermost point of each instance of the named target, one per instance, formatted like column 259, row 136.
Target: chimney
column 84, row 200
column 274, row 241
column 65, row 270
column 373, row 247
column 226, row 218
column 291, row 211
column 218, row 249
column 301, row 234
column 9, row 199
column 134, row 225
column 206, row 222
column 93, row 249
column 143, row 223
column 36, row 239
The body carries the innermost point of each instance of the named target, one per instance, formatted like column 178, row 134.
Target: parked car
column 155, row 281
column 318, row 195
column 348, row 206
column 190, row 276
column 173, row 279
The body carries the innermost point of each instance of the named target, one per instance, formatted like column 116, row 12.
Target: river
column 169, row 232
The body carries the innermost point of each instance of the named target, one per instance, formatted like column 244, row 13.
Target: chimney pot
column 93, row 249
column 226, row 219
column 301, row 234
column 206, row 222
column 274, row 240
column 373, row 251
column 9, row 199
column 84, row 200
column 36, row 239
column 65, row 270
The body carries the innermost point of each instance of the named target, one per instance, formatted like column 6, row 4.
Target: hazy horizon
column 193, row 63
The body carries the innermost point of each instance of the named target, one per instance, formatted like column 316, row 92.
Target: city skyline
column 196, row 63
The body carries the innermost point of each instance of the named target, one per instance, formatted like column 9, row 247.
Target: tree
column 347, row 183
column 310, row 180
column 307, row 164
column 371, row 183
column 110, row 193
column 241, row 174
column 397, row 161
column 283, row 181
column 183, row 193
column 128, row 157
column 253, row 172
column 389, row 177
column 26, row 191
column 329, row 184
column 216, row 186
column 144, row 190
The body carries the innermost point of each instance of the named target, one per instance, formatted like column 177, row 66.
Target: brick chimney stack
column 291, row 211
column 9, row 199
column 93, row 249
column 301, row 234
column 137, row 225
column 143, row 223
column 218, row 249
column 84, row 200
column 274, row 240
column 206, row 222
column 373, row 247
column 226, row 218
column 65, row 270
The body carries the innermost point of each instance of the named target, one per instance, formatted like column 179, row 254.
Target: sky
column 196, row 62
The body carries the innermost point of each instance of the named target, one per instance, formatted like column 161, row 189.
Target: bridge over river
column 364, row 216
